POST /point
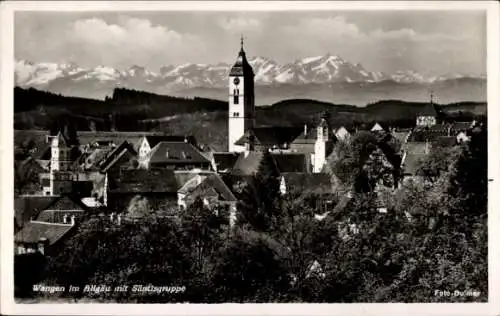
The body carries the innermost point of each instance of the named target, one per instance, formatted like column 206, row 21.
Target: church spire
column 241, row 42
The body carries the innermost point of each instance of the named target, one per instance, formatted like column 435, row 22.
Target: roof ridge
column 52, row 224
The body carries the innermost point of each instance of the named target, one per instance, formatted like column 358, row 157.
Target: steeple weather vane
column 241, row 41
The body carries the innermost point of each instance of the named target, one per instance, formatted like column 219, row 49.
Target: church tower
column 241, row 100
column 59, row 162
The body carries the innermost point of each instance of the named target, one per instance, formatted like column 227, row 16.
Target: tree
column 438, row 162
column 260, row 199
column 250, row 268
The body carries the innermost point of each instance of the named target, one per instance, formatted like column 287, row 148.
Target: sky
column 429, row 42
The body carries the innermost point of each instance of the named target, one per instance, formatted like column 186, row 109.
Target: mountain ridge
column 338, row 80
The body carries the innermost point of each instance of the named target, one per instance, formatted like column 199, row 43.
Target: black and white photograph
column 335, row 155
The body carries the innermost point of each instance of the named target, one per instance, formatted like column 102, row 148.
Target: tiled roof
column 153, row 140
column 248, row 165
column 428, row 109
column 176, row 152
column 429, row 133
column 66, row 202
column 400, row 136
column 414, row 152
column 212, row 186
column 57, row 216
column 113, row 156
column 461, row 126
column 290, row 162
column 32, row 232
column 271, row 135
column 28, row 207
column 299, row 182
column 225, row 161
column 445, row 141
column 144, row 181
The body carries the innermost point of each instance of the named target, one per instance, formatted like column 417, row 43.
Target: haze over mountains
column 327, row 78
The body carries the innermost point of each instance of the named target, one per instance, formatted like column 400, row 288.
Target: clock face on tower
column 236, row 81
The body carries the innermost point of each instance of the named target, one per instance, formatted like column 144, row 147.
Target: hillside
column 205, row 118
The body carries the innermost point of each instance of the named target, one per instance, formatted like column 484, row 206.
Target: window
column 236, row 99
column 236, row 114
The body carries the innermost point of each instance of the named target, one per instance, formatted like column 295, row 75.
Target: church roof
column 428, row 109
column 241, row 66
column 271, row 135
column 290, row 162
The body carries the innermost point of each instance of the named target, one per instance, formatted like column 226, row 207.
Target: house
column 63, row 210
column 317, row 188
column 210, row 188
column 462, row 137
column 377, row 128
column 342, row 134
column 154, row 188
column 41, row 237
column 313, row 142
column 177, row 156
column 51, row 226
column 28, row 207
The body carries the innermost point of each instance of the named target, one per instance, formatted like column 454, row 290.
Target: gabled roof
column 290, row 162
column 225, row 161
column 93, row 157
column 28, row 207
column 115, row 155
column 153, row 140
column 144, row 181
column 377, row 127
column 57, row 216
column 176, row 152
column 212, row 186
column 248, row 165
column 66, row 202
column 33, row 231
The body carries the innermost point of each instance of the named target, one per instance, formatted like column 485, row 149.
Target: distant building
column 428, row 115
column 377, row 128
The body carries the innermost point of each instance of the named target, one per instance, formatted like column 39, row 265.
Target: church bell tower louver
column 241, row 100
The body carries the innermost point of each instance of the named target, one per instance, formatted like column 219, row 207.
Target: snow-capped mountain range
column 320, row 69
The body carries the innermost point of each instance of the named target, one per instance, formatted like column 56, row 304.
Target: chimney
column 119, row 219
column 185, row 139
column 305, row 129
column 72, row 220
column 65, row 219
column 166, row 154
column 112, row 217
